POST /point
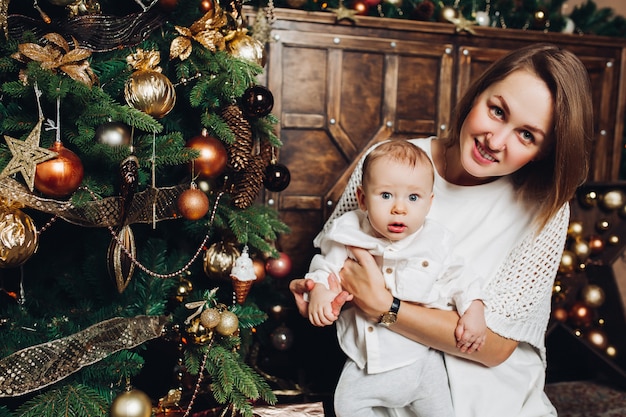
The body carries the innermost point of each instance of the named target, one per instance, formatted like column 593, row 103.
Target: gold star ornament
column 26, row 155
column 343, row 13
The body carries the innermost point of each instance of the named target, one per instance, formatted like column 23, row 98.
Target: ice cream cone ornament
column 242, row 275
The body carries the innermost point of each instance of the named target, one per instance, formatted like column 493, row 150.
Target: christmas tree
column 136, row 141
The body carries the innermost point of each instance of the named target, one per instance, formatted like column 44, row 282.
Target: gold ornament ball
column 193, row 204
column 581, row 249
column 210, row 318
column 151, row 92
column 568, row 260
column 603, row 225
column 229, row 323
column 133, row 403
column 448, row 13
column 575, row 229
column 185, row 287
column 612, row 200
column 18, row 237
column 197, row 333
column 598, row 338
column 247, row 48
column 593, row 295
column 589, row 199
column 611, row 351
column 219, row 259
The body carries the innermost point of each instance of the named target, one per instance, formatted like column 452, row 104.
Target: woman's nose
column 496, row 140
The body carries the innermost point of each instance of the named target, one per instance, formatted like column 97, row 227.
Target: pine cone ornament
column 240, row 153
column 248, row 183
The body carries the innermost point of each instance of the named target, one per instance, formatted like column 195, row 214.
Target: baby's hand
column 321, row 306
column 471, row 330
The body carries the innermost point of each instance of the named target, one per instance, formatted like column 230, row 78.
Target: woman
column 516, row 152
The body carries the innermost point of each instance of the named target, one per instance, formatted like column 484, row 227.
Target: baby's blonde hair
column 397, row 151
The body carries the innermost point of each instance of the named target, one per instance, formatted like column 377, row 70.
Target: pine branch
column 69, row 400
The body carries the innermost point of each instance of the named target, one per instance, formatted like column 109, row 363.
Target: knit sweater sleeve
column 520, row 293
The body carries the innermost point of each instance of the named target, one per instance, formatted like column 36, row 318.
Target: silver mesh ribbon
column 38, row 366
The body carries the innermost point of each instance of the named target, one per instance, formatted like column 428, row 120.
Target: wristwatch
column 390, row 317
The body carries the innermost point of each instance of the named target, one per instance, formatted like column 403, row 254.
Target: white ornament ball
column 569, row 26
column 483, row 19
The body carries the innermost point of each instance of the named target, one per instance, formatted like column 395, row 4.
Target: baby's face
column 397, row 197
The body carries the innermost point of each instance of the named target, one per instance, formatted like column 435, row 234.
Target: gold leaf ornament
column 57, row 54
column 206, row 31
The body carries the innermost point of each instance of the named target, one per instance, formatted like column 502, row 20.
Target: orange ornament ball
column 206, row 6
column 213, row 156
column 560, row 314
column 59, row 176
column 193, row 204
column 259, row 269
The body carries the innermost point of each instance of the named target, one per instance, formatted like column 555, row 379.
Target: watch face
column 388, row 318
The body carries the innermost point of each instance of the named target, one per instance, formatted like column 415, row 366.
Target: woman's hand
column 364, row 280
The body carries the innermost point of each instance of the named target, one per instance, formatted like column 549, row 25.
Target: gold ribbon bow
column 144, row 60
column 56, row 54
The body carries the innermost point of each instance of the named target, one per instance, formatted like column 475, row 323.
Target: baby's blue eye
column 413, row 197
column 385, row 195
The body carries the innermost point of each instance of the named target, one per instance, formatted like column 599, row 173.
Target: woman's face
column 508, row 126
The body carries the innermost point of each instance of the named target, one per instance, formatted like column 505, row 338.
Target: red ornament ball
column 213, row 156
column 167, row 5
column 581, row 315
column 278, row 267
column 59, row 176
column 277, row 177
column 257, row 101
column 193, row 204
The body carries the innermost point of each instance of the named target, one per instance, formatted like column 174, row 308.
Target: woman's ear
column 360, row 198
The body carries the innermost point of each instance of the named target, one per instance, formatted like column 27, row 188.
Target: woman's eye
column 528, row 136
column 497, row 112
column 385, row 195
column 413, row 197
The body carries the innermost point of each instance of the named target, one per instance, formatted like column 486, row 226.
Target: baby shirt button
column 389, row 270
column 425, row 263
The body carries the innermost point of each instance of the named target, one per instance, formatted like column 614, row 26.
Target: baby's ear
column 360, row 198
